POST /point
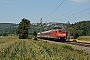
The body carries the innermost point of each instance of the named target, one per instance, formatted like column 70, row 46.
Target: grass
column 85, row 38
column 66, row 46
column 27, row 49
column 82, row 38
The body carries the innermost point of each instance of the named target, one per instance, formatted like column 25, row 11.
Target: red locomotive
column 57, row 34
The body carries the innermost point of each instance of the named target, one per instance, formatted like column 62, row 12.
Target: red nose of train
column 62, row 35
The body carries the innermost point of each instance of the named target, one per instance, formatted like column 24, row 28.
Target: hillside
column 7, row 28
column 83, row 27
column 10, row 28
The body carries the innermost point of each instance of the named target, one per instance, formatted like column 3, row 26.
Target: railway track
column 83, row 46
column 78, row 43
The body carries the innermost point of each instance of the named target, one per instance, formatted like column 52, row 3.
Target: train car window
column 49, row 33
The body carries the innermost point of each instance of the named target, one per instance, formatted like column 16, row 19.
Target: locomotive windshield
column 61, row 30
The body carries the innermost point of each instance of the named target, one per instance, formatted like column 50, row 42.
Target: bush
column 35, row 38
column 75, row 35
column 71, row 37
column 30, row 37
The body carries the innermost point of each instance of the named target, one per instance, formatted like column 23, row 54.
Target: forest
column 82, row 28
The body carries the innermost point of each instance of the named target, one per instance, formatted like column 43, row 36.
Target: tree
column 75, row 35
column 34, row 33
column 22, row 29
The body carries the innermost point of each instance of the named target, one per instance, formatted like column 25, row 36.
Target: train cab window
column 61, row 30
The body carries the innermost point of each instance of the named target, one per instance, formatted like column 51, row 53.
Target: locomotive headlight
column 64, row 34
column 59, row 38
column 60, row 34
column 65, row 38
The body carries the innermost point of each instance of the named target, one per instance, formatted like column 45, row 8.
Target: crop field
column 12, row 48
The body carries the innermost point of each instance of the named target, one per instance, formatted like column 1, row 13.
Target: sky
column 61, row 11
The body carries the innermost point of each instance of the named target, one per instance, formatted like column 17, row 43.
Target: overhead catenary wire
column 76, row 13
column 80, row 16
column 73, row 11
column 71, row 14
column 55, row 9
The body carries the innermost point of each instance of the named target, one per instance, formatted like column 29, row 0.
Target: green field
column 12, row 48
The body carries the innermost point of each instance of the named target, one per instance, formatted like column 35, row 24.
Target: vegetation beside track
column 85, row 38
column 12, row 48
column 81, row 38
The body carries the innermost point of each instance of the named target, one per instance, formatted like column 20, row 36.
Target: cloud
column 7, row 1
column 79, row 0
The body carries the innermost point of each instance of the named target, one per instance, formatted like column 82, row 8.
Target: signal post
column 41, row 29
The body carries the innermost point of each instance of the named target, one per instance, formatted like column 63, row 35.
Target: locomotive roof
column 48, row 31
